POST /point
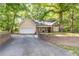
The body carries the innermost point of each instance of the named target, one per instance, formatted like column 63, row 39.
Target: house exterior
column 27, row 27
column 46, row 26
column 34, row 26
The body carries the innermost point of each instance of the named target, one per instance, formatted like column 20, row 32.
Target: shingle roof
column 37, row 22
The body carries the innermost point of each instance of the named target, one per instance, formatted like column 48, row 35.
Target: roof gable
column 27, row 24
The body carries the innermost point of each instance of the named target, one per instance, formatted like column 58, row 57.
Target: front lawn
column 62, row 34
column 72, row 38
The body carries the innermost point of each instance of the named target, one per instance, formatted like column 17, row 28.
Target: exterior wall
column 56, row 29
column 28, row 24
column 27, row 27
column 44, row 29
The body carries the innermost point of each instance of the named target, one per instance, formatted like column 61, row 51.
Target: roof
column 44, row 23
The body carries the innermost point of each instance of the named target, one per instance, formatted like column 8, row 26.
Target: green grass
column 62, row 34
column 73, row 50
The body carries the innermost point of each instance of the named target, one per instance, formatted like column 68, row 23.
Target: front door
column 49, row 29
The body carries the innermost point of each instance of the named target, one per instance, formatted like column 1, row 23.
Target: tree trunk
column 72, row 21
column 7, row 28
column 13, row 23
column 60, row 21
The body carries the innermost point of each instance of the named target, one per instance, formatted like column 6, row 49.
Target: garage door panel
column 27, row 31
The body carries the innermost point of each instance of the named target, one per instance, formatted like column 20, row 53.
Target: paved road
column 29, row 45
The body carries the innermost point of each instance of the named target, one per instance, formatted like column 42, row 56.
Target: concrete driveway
column 30, row 45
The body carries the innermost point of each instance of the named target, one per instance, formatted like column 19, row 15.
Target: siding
column 27, row 26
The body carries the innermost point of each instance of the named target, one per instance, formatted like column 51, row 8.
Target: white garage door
column 27, row 31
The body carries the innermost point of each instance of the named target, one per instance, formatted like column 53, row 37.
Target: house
column 35, row 26
column 46, row 26
column 27, row 27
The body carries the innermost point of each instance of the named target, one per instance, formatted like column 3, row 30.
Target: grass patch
column 62, row 34
column 73, row 50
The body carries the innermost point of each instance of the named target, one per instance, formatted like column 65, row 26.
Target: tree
column 73, row 9
column 10, row 13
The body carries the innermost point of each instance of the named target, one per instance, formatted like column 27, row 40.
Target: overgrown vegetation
column 66, row 15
